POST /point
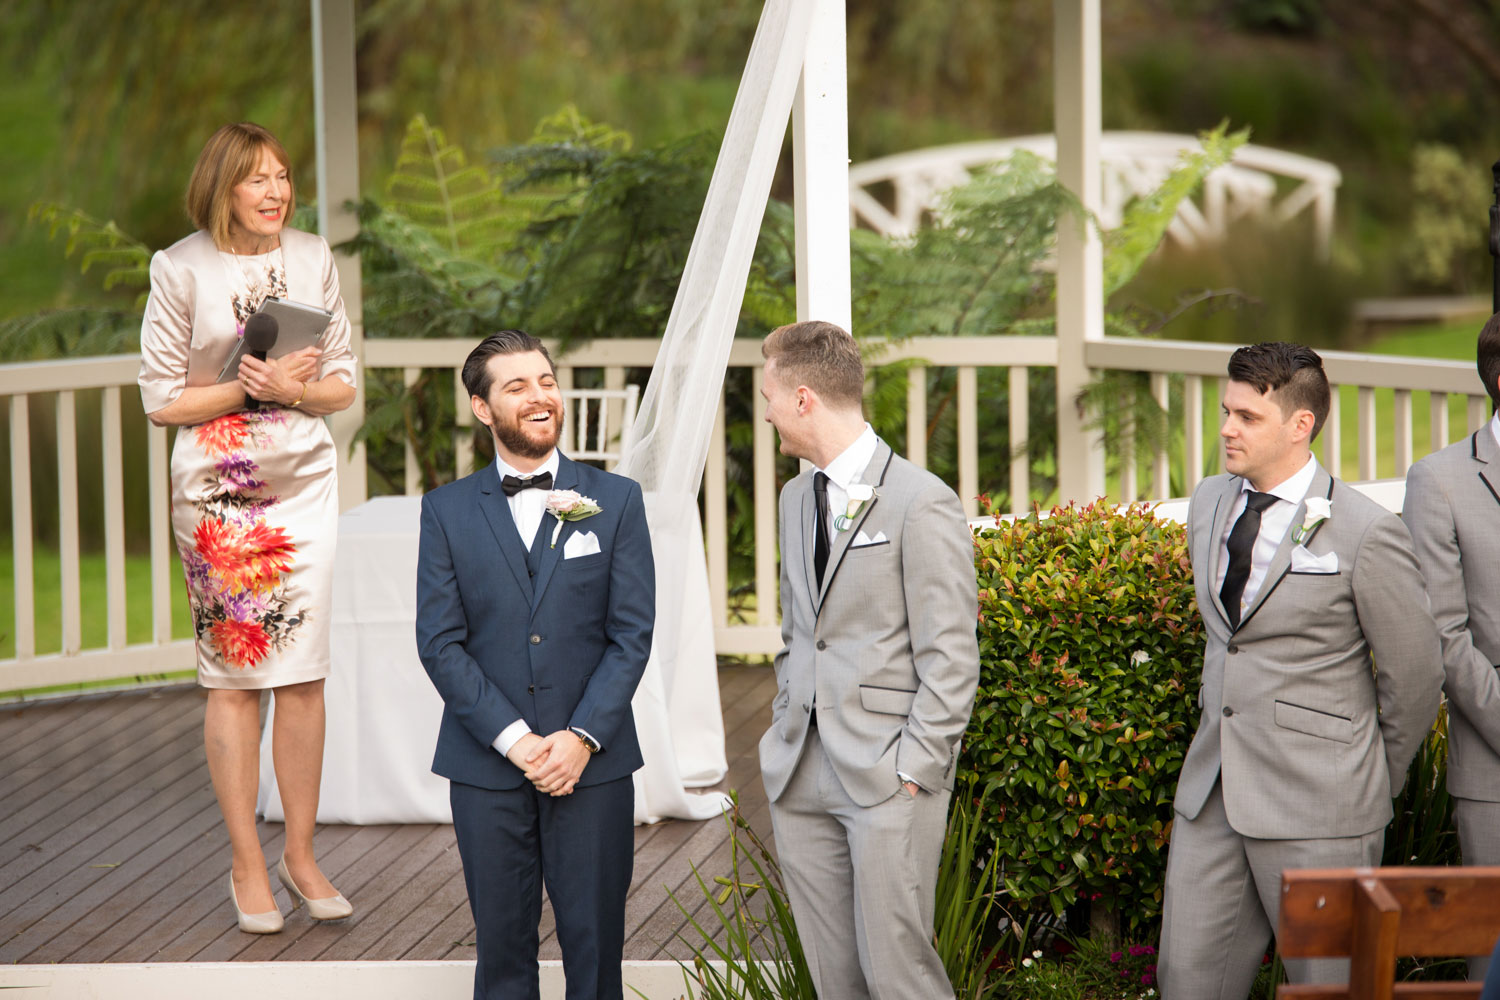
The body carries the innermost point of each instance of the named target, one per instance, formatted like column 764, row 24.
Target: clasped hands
column 281, row 380
column 552, row 763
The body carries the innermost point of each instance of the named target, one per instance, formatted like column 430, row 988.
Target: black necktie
column 820, row 525
column 1241, row 544
column 513, row 484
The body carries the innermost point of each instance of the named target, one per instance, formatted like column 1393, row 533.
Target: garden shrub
column 1091, row 653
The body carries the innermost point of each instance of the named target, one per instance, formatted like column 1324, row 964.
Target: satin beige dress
column 254, row 495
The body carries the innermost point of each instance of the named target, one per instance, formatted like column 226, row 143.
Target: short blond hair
column 229, row 156
column 820, row 355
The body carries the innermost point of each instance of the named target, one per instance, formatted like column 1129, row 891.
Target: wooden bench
column 1374, row 915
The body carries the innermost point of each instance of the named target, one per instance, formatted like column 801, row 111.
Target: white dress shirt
column 1495, row 426
column 1275, row 522
column 527, row 509
column 843, row 472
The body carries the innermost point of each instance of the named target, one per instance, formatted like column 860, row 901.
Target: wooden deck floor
column 112, row 850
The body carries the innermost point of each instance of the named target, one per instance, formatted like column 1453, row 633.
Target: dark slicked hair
column 477, row 377
column 1292, row 373
column 1489, row 357
column 822, row 356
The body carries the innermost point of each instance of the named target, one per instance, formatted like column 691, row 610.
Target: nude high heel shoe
column 269, row 922
column 334, row 907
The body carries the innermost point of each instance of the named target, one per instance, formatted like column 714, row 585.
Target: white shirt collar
column 1292, row 490
column 550, row 465
column 1495, row 427
column 853, row 460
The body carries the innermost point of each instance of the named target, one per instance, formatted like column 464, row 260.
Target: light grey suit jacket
column 1310, row 742
column 887, row 647
column 1453, row 510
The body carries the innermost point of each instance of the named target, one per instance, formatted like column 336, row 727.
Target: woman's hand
column 269, row 381
column 301, row 365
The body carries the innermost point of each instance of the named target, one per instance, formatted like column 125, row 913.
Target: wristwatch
column 589, row 743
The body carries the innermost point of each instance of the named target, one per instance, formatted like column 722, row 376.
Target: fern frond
column 1146, row 219
column 459, row 203
column 124, row 261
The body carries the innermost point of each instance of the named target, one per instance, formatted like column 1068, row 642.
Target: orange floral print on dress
column 222, row 435
column 242, row 644
column 246, row 557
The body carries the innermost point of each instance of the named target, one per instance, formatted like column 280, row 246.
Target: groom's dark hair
column 822, row 356
column 1489, row 357
column 477, row 377
column 1292, row 373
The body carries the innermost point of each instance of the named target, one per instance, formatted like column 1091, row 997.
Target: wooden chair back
column 1374, row 915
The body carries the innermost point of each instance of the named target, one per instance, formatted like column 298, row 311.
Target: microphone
column 261, row 331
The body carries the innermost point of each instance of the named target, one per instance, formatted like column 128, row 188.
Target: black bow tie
column 513, row 485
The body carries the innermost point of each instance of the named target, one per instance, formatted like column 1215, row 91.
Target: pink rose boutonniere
column 569, row 505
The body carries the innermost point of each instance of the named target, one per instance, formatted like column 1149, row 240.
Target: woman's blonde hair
column 230, row 155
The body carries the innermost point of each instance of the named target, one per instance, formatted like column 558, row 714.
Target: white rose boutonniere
column 569, row 505
column 859, row 495
column 1319, row 509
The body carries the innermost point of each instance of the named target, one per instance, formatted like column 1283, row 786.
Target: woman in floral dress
column 254, row 498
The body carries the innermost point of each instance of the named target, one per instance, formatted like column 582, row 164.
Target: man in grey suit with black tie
column 875, row 681
column 1304, row 586
column 1453, row 510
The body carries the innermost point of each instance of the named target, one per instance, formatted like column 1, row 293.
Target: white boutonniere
column 569, row 505
column 859, row 495
column 1319, row 509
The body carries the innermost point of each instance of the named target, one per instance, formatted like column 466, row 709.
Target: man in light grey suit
column 1301, row 582
column 1453, row 511
column 875, row 681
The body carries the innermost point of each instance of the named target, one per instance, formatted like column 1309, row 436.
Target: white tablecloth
column 383, row 712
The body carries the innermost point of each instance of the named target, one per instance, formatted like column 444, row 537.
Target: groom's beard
column 520, row 438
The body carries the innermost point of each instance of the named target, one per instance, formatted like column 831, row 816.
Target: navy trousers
column 583, row 847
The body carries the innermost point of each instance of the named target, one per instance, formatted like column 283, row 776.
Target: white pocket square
column 1304, row 561
column 862, row 539
column 585, row 543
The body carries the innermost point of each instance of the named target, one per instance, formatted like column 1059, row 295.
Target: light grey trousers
column 1223, row 895
column 861, row 882
column 1479, row 839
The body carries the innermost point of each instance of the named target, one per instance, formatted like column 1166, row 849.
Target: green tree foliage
column 1449, row 197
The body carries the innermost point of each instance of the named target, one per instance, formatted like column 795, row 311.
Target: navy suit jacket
column 566, row 649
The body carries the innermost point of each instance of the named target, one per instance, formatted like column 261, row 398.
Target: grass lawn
column 47, row 584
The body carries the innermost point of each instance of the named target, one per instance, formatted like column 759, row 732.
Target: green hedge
column 1091, row 653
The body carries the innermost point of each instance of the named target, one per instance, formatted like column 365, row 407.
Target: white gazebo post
column 820, row 171
column 336, row 116
column 1080, row 255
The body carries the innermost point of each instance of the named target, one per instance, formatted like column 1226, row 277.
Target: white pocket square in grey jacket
column 1304, row 561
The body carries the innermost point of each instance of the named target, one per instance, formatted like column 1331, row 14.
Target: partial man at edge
column 1302, row 582
column 1452, row 509
column 875, row 681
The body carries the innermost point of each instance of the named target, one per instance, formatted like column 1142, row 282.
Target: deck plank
column 120, row 780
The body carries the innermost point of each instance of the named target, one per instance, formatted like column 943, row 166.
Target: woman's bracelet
column 301, row 397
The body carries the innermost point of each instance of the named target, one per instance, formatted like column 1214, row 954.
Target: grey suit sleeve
column 1472, row 683
column 779, row 703
column 942, row 610
column 1390, row 599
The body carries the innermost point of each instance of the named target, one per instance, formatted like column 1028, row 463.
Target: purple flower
column 238, row 471
column 1116, row 956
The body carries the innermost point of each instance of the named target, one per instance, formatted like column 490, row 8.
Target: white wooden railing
column 1192, row 372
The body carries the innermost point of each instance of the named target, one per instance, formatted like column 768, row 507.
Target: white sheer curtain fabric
column 677, row 710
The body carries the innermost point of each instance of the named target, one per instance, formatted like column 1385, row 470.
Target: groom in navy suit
column 535, row 603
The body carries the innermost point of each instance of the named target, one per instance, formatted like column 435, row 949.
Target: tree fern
column 458, row 202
